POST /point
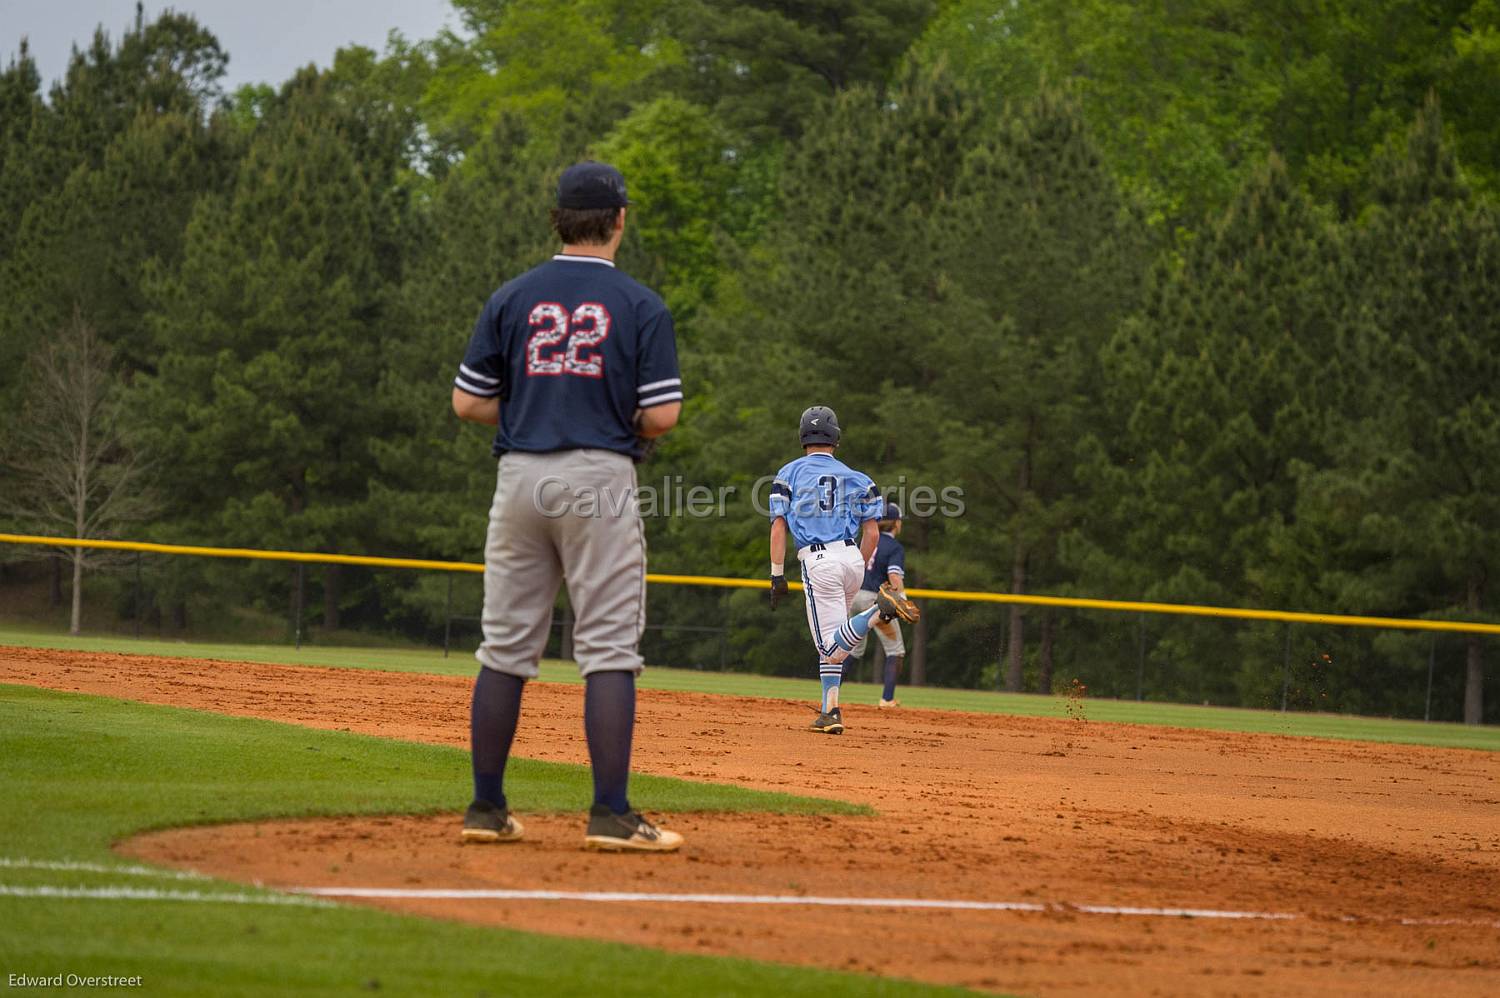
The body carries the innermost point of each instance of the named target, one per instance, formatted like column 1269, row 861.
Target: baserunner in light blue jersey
column 830, row 511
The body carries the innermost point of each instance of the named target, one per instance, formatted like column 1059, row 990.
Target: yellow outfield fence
column 1130, row 606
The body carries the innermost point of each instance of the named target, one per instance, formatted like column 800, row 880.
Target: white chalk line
column 156, row 894
column 315, row 895
column 312, row 896
column 72, row 866
column 498, row 894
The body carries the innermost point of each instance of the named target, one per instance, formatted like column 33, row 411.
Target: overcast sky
column 267, row 40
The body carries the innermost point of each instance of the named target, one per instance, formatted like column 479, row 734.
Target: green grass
column 1342, row 726
column 82, row 772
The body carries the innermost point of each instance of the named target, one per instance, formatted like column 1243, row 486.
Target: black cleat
column 830, row 723
column 628, row 832
column 484, row 822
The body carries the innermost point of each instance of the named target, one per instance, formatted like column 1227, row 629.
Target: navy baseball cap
column 591, row 185
column 892, row 511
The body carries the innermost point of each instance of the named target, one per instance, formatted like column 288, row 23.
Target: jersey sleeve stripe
column 659, row 399
column 483, row 391
column 895, row 570
column 668, row 383
column 474, row 375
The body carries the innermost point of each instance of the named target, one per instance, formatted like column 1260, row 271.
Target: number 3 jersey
column 572, row 349
column 823, row 499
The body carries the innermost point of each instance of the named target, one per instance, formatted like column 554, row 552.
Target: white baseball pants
column 830, row 578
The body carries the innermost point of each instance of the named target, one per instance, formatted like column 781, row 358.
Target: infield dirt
column 1388, row 855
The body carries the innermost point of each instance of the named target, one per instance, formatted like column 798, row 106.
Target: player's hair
column 886, row 526
column 592, row 226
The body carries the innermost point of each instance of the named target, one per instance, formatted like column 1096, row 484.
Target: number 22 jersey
column 572, row 348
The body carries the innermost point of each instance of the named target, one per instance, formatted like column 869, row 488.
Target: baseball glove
column 894, row 605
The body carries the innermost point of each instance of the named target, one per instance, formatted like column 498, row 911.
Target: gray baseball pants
column 567, row 515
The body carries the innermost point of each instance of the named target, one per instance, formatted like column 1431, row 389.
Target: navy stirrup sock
column 609, row 724
column 492, row 727
column 892, row 664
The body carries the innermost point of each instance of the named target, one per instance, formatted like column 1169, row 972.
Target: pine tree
column 272, row 346
column 833, row 306
column 86, row 245
column 1412, row 493
column 942, row 277
column 1045, row 256
column 100, row 179
column 20, row 106
column 765, row 67
column 485, row 223
column 1217, row 392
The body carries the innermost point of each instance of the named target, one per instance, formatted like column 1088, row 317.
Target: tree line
column 1192, row 305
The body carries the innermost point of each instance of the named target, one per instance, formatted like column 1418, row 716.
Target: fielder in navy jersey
column 887, row 567
column 830, row 511
column 575, row 365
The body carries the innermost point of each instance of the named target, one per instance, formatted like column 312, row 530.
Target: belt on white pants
column 817, row 546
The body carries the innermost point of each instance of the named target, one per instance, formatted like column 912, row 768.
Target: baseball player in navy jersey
column 575, row 365
column 830, row 512
column 888, row 567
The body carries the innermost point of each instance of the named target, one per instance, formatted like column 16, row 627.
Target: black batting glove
column 778, row 590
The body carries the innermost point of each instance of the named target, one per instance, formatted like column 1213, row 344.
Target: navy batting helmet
column 819, row 426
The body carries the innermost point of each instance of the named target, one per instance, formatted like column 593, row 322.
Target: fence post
column 448, row 616
column 137, row 594
column 565, row 639
column 297, row 602
column 917, row 663
column 1286, row 664
column 1004, row 649
column 1431, row 660
column 1140, row 657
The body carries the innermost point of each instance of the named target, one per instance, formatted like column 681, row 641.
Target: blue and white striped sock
column 856, row 627
column 832, row 676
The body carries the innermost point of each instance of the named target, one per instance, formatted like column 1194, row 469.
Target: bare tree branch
column 69, row 467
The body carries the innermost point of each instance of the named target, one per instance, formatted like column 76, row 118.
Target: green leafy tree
column 1187, row 99
column 20, row 106
column 567, row 70
column 675, row 156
